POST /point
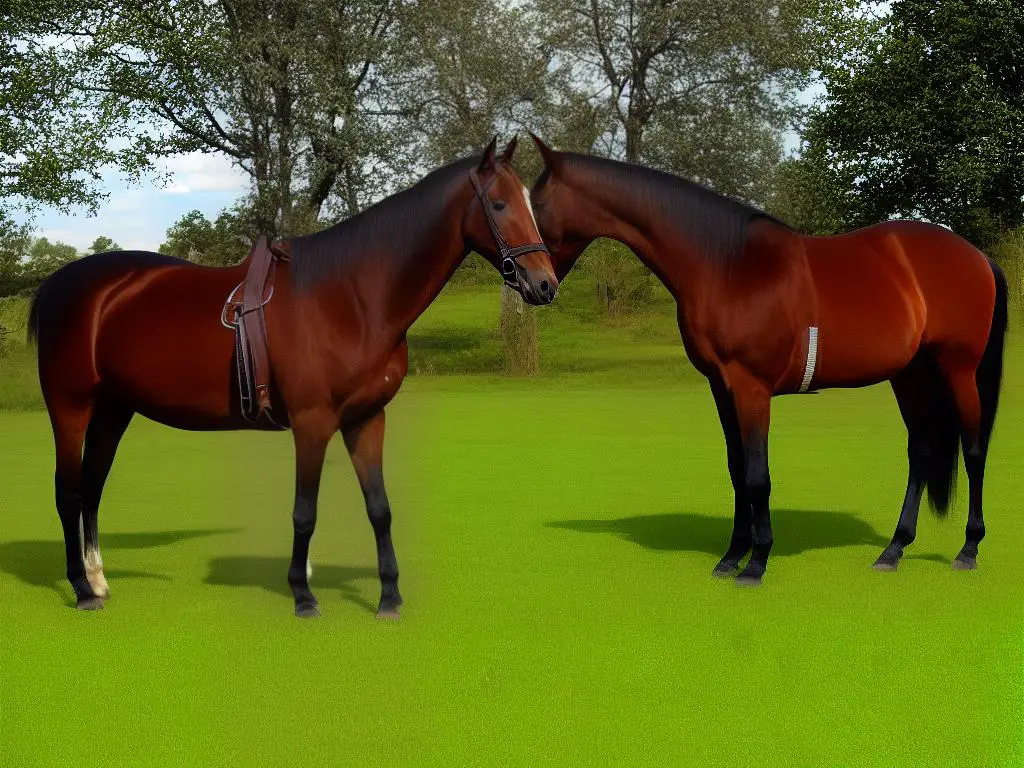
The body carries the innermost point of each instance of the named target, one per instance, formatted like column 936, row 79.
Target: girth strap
column 812, row 359
column 246, row 317
column 253, row 326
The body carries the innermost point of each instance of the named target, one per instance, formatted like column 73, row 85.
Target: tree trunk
column 519, row 333
column 638, row 113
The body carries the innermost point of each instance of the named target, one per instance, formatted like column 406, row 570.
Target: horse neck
column 642, row 230
column 422, row 276
column 396, row 288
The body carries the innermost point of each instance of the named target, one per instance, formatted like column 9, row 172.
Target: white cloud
column 69, row 235
column 198, row 172
column 137, row 216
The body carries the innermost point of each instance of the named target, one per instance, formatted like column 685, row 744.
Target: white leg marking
column 94, row 573
column 309, row 570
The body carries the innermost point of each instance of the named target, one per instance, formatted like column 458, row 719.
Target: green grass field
column 556, row 538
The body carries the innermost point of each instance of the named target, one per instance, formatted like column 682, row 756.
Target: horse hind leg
column 916, row 396
column 106, row 428
column 975, row 448
column 980, row 396
column 365, row 444
column 69, row 426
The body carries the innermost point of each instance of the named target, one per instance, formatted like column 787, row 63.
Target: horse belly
column 170, row 358
column 871, row 320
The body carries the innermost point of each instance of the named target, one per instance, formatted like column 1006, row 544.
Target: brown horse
column 133, row 332
column 765, row 311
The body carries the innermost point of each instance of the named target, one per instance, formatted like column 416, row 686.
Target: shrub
column 1008, row 253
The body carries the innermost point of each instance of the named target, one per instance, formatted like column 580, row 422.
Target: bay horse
column 131, row 332
column 764, row 310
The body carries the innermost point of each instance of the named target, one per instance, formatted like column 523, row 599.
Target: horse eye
column 499, row 205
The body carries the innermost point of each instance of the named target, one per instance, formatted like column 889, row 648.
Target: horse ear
column 510, row 149
column 488, row 160
column 552, row 159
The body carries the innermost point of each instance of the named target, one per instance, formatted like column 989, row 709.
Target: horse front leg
column 742, row 529
column 752, row 401
column 312, row 432
column 365, row 444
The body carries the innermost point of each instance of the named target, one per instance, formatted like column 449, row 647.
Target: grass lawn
column 556, row 539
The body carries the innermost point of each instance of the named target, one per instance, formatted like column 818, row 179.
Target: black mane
column 713, row 223
column 390, row 227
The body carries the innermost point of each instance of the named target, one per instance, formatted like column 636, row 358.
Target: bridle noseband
column 508, row 254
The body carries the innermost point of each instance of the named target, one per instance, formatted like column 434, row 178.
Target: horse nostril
column 544, row 286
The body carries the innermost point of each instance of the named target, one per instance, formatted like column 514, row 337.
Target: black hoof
column 964, row 563
column 388, row 606
column 307, row 611
column 885, row 564
column 749, row 579
column 92, row 603
column 725, row 570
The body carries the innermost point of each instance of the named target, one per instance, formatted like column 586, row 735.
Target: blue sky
column 138, row 215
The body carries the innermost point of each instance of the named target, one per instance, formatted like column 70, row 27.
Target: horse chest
column 757, row 335
column 376, row 385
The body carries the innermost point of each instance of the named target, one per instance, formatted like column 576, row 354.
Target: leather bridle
column 507, row 253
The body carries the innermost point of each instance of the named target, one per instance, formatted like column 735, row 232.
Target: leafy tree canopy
column 925, row 118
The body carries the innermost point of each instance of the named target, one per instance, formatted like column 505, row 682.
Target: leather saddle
column 243, row 313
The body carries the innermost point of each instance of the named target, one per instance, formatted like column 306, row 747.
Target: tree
column 925, row 119
column 52, row 145
column 219, row 243
column 45, row 258
column 455, row 86
column 325, row 105
column 519, row 334
column 286, row 89
column 102, row 244
column 809, row 196
column 25, row 263
column 703, row 90
column 14, row 245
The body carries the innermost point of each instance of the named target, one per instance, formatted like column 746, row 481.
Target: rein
column 508, row 254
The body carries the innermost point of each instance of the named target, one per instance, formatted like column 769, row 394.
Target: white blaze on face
column 529, row 207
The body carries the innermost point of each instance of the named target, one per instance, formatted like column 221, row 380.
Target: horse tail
column 33, row 315
column 943, row 442
column 989, row 376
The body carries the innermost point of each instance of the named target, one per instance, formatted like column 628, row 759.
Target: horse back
column 956, row 281
column 143, row 327
column 885, row 291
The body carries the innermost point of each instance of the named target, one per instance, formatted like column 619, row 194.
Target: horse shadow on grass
column 271, row 574
column 41, row 563
column 795, row 531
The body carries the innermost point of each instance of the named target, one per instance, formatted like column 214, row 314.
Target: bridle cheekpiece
column 507, row 253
